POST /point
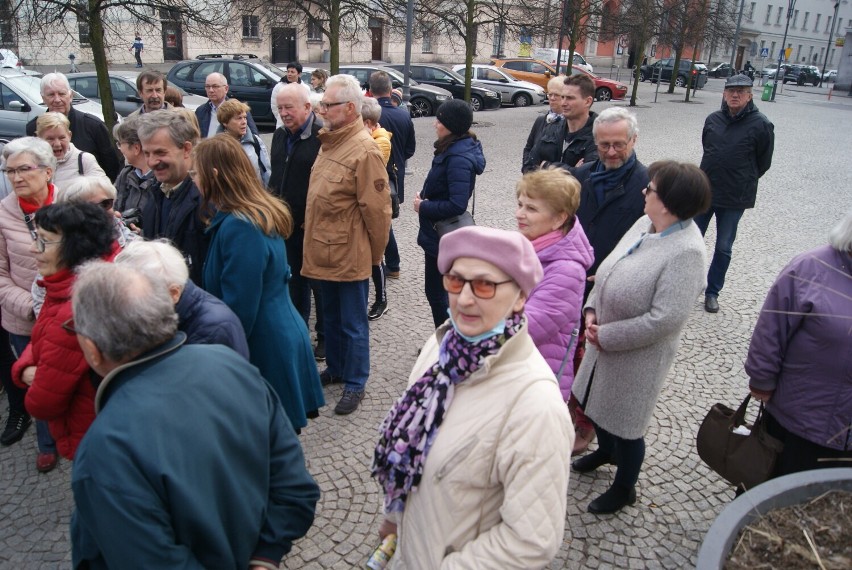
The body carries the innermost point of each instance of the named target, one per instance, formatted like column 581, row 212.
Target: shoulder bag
column 743, row 454
column 445, row 226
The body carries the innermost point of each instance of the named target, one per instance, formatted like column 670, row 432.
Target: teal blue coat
column 248, row 270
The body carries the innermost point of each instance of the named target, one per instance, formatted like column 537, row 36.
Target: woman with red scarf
column 29, row 164
column 61, row 387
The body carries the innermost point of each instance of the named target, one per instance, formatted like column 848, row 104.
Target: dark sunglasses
column 481, row 288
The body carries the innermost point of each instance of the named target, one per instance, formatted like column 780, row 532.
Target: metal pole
column 406, row 70
column 790, row 7
column 830, row 38
column 737, row 33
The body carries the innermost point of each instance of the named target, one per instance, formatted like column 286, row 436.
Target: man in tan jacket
column 347, row 221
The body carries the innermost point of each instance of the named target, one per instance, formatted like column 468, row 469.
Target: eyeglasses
column 41, row 243
column 107, row 204
column 324, row 106
column 649, row 190
column 481, row 288
column 208, row 87
column 616, row 146
column 68, row 326
column 22, row 170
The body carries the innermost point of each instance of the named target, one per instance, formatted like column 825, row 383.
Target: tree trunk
column 96, row 40
column 469, row 44
column 692, row 78
column 334, row 37
column 637, row 72
column 676, row 68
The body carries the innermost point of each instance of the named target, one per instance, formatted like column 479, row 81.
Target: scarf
column 603, row 179
column 410, row 428
column 553, row 117
column 29, row 208
column 546, row 240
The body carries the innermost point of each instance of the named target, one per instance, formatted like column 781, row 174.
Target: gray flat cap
column 739, row 81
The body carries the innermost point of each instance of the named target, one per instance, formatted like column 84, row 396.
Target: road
column 804, row 193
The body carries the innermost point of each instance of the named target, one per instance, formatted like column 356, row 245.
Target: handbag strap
column 574, row 334
column 473, row 196
column 738, row 418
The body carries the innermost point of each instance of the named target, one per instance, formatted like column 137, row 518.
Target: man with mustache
column 173, row 207
column 151, row 85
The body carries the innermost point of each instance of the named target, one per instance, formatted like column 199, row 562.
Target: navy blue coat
column 606, row 223
column 205, row 112
column 448, row 188
column 190, row 463
column 207, row 320
column 397, row 121
column 248, row 270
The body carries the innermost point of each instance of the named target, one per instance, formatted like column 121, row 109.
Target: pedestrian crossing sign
column 764, row 52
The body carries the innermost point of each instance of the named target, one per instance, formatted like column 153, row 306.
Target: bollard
column 830, row 89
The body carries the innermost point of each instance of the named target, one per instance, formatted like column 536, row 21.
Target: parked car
column 20, row 102
column 663, row 69
column 549, row 55
column 123, row 87
column 605, row 89
column 768, row 70
column 250, row 79
column 425, row 99
column 526, row 69
column 481, row 97
column 799, row 74
column 830, row 75
column 720, row 69
column 9, row 59
column 512, row 91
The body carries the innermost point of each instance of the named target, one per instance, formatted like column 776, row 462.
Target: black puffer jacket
column 737, row 152
column 582, row 146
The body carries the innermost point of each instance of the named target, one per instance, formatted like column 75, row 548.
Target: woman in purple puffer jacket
column 547, row 202
column 799, row 361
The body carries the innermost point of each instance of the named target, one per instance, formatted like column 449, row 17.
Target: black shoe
column 326, row 379
column 711, row 304
column 591, row 462
column 319, row 350
column 349, row 402
column 16, row 426
column 615, row 499
column 378, row 309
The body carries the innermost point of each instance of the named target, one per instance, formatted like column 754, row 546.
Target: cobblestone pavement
column 805, row 192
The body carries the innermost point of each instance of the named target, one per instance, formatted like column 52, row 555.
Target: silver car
column 20, row 102
column 512, row 91
column 124, row 94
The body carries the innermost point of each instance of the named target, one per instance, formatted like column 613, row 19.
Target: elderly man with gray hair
column 347, row 221
column 201, row 316
column 88, row 133
column 174, row 208
column 611, row 200
column 191, row 460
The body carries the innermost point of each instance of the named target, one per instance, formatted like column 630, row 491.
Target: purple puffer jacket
column 553, row 308
column 800, row 348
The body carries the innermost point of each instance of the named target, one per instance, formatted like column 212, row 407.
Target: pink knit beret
column 510, row 251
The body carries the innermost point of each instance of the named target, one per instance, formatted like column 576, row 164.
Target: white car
column 830, row 75
column 9, row 59
column 512, row 91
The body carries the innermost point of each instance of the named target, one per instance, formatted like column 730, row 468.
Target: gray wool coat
column 642, row 301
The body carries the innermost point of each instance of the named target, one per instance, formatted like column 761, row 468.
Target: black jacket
column 207, row 320
column 531, row 161
column 289, row 181
column 582, row 146
column 90, row 134
column 737, row 152
column 605, row 224
column 184, row 226
column 205, row 112
column 397, row 121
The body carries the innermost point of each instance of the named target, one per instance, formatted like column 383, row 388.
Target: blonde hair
column 556, row 187
column 52, row 120
column 235, row 188
column 230, row 109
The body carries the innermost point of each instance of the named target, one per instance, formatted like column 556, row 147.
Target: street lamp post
column 830, row 38
column 790, row 6
column 406, row 70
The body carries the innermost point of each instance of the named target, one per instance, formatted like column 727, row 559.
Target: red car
column 605, row 89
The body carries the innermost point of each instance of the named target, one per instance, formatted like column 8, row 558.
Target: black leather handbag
column 445, row 226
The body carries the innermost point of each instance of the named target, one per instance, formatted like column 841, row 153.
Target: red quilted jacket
column 62, row 392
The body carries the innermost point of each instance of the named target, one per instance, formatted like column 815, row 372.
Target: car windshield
column 454, row 75
column 29, row 85
column 399, row 76
column 273, row 69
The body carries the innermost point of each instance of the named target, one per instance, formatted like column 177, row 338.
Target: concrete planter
column 775, row 493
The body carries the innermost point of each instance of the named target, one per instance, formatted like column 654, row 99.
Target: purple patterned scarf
column 410, row 428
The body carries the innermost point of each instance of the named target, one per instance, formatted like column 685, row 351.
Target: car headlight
column 620, row 86
column 443, row 97
column 492, row 94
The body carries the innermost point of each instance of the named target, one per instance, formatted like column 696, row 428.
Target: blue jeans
column 347, row 330
column 45, row 441
column 727, row 220
column 392, row 253
column 439, row 302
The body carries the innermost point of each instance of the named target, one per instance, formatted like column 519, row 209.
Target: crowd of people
column 132, row 278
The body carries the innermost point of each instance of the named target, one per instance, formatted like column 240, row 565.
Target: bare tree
column 42, row 18
column 639, row 22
